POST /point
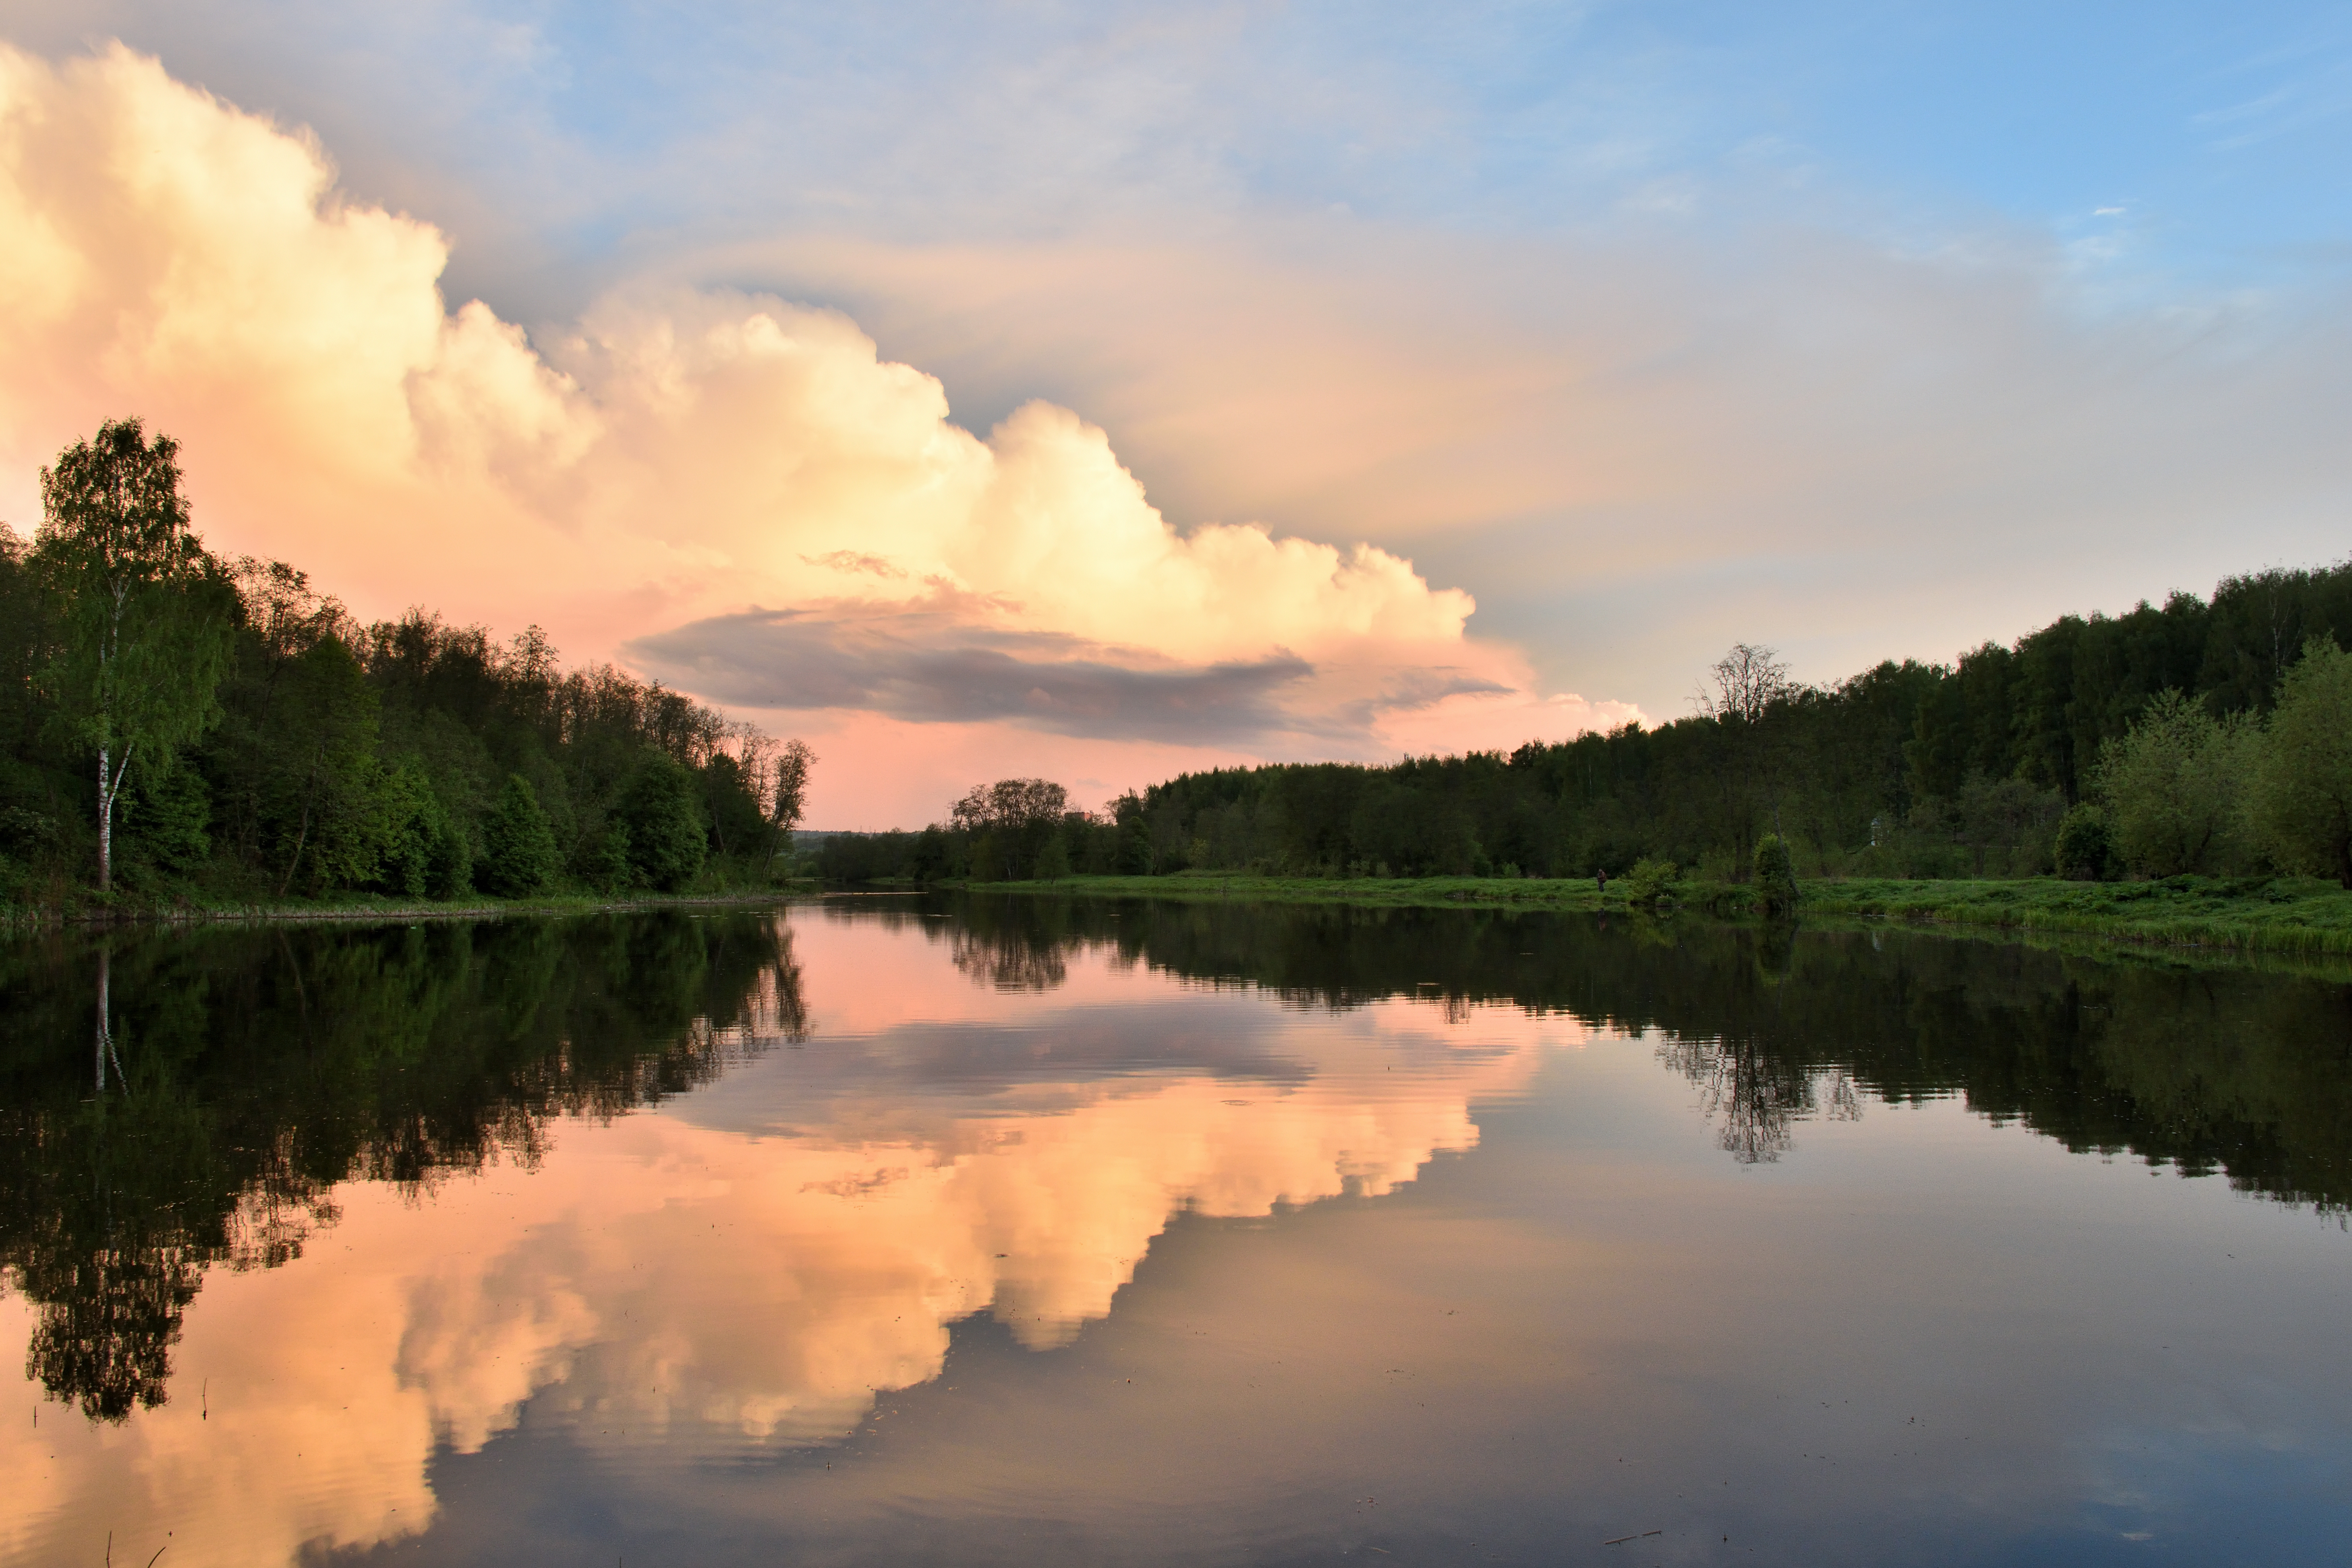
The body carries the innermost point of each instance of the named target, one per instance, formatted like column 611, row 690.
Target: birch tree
column 145, row 615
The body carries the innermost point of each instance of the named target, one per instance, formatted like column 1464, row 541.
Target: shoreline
column 2247, row 916
column 2282, row 916
column 359, row 913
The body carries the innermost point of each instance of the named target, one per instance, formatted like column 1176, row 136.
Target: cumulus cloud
column 1641, row 444
column 641, row 477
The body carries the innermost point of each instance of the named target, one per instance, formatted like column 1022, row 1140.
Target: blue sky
column 2203, row 144
column 2176, row 149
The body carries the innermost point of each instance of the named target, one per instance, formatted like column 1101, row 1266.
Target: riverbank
column 2280, row 914
column 370, row 909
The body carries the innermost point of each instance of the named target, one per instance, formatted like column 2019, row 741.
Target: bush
column 1053, row 861
column 518, row 847
column 2303, row 775
column 1776, row 876
column 2174, row 787
column 450, row 863
column 605, row 866
column 169, row 817
column 2083, row 851
column 1651, row 881
column 666, row 839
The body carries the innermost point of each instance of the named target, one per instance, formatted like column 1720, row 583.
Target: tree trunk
column 105, row 824
column 301, row 839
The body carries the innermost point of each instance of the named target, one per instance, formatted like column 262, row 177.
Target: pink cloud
column 731, row 491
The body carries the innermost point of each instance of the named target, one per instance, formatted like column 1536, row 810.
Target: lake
column 882, row 1229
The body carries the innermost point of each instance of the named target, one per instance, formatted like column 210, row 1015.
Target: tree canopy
column 2144, row 734
column 261, row 741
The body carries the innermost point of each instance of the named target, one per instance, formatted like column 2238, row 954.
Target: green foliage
column 2083, row 850
column 2303, row 778
column 1053, row 861
column 425, row 855
column 2174, row 787
column 1776, row 876
column 518, row 848
column 271, row 746
column 450, row 863
column 143, row 615
column 1651, row 883
column 986, row 858
column 170, row 817
column 665, row 833
column 1132, row 853
column 607, row 867
column 325, row 790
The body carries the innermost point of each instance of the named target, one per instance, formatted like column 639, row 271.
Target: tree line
column 2201, row 735
column 176, row 725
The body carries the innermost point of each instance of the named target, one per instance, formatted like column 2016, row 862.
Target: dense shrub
column 1776, row 876
column 666, row 834
column 518, row 847
column 1650, row 881
column 2084, row 853
column 2174, row 786
column 2302, row 779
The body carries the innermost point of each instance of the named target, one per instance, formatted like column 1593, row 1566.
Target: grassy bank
column 366, row 907
column 2269, row 914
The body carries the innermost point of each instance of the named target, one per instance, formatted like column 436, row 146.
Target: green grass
column 2285, row 915
column 2269, row 914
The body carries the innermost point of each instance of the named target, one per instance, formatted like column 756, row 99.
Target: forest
column 176, row 728
column 2198, row 736
column 179, row 728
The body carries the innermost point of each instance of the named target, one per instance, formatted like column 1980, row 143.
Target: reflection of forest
column 257, row 1068
column 2221, row 1069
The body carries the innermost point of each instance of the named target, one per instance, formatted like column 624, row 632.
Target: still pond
column 1020, row 1231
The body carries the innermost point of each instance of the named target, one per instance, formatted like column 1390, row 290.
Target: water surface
column 888, row 1230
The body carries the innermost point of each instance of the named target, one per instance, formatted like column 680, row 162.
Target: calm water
column 889, row 1231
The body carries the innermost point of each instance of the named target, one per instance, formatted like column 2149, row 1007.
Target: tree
column 146, row 614
column 1776, row 876
column 1134, row 854
column 791, row 802
column 607, row 867
column 1010, row 823
column 323, row 777
column 518, row 847
column 2083, row 851
column 2174, row 784
column 1749, row 683
column 2303, row 773
column 666, row 831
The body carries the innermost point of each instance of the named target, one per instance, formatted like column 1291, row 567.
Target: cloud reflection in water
column 749, row 1267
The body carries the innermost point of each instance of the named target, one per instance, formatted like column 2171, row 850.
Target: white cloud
column 678, row 454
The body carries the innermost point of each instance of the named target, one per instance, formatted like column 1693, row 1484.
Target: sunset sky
column 1100, row 392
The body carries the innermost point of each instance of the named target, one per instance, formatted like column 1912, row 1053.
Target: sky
column 1101, row 392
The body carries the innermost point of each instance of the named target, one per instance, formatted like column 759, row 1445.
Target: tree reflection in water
column 251, row 1071
column 1758, row 1097
column 246, row 1074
